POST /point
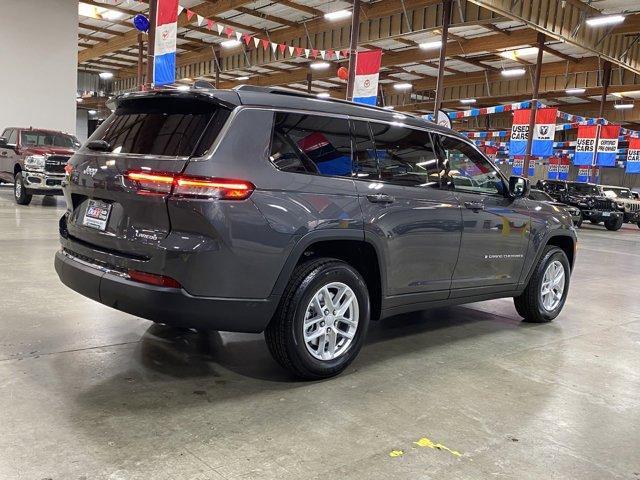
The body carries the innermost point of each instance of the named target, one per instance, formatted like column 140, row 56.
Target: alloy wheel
column 552, row 287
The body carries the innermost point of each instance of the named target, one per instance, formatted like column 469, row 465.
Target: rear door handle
column 474, row 205
column 380, row 198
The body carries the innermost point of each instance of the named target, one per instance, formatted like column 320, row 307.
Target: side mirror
column 519, row 187
column 3, row 143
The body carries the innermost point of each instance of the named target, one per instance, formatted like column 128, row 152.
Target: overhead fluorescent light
column 230, row 43
column 337, row 15
column 575, row 91
column 430, row 45
column 623, row 106
column 242, row 79
column 99, row 13
column 403, row 86
column 320, row 65
column 519, row 52
column 468, row 100
column 105, row 75
column 605, row 20
column 513, row 72
column 323, row 95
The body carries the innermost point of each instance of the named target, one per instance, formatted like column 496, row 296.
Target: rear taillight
column 153, row 279
column 188, row 186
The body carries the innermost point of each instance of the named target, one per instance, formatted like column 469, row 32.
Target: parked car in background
column 593, row 204
column 627, row 203
column 304, row 218
column 542, row 196
column 34, row 160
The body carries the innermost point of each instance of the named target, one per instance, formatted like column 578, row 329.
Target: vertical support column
column 534, row 105
column 606, row 81
column 140, row 60
column 446, row 20
column 353, row 47
column 151, row 40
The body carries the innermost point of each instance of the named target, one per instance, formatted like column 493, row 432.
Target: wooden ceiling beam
column 314, row 12
column 101, row 30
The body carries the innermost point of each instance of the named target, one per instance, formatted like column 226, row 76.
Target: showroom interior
column 337, row 239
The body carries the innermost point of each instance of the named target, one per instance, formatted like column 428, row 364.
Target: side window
column 467, row 170
column 405, row 156
column 311, row 144
column 366, row 166
column 12, row 136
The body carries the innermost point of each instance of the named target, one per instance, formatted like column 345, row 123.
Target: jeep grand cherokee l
column 34, row 160
column 264, row 210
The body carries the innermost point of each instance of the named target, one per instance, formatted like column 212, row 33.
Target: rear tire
column 613, row 224
column 530, row 304
column 20, row 192
column 296, row 320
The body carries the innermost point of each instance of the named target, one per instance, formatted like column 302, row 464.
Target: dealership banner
column 633, row 156
column 518, row 167
column 164, row 62
column 608, row 145
column 585, row 173
column 585, row 145
column 543, row 133
column 365, row 86
column 554, row 167
column 563, row 168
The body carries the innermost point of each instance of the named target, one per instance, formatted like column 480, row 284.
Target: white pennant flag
column 256, row 41
column 220, row 29
column 200, row 20
column 238, row 35
column 307, row 52
column 323, row 53
column 180, row 9
column 337, row 54
column 274, row 47
column 291, row 50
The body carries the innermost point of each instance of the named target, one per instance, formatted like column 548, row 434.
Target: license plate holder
column 97, row 215
column 606, row 214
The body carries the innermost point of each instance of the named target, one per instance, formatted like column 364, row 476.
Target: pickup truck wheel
column 321, row 322
column 613, row 223
column 20, row 192
column 546, row 292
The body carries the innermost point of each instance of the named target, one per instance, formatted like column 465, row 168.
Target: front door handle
column 475, row 206
column 380, row 198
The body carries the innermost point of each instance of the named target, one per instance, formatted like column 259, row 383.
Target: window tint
column 364, row 151
column 174, row 127
column 311, row 144
column 467, row 170
column 405, row 156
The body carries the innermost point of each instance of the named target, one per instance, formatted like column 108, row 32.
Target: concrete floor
column 91, row 393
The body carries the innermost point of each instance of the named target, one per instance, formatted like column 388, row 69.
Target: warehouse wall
column 610, row 176
column 38, row 55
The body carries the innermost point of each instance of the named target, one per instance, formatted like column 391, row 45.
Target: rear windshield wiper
column 99, row 145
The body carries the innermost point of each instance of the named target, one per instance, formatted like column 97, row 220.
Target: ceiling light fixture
column 605, row 20
column 337, row 15
column 230, row 43
column 430, row 45
column 575, row 91
column 519, row 52
column 323, row 95
column 320, row 65
column 468, row 100
column 92, row 112
column 402, row 86
column 242, row 79
column 623, row 106
column 513, row 72
column 105, row 75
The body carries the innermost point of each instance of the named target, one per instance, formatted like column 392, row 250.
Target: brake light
column 153, row 279
column 189, row 186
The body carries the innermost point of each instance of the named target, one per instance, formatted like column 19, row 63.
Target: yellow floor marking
column 425, row 442
column 396, row 453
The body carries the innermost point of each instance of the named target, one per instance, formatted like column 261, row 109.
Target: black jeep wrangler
column 593, row 205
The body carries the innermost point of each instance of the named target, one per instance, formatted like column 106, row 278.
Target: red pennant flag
column 344, row 52
column 282, row 47
column 247, row 38
column 314, row 52
column 190, row 14
column 330, row 53
column 228, row 31
column 209, row 24
column 265, row 43
column 299, row 51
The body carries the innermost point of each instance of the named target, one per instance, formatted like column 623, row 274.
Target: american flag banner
column 164, row 63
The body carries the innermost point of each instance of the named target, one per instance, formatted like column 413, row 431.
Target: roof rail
column 295, row 93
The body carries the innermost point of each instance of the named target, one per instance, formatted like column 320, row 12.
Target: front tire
column 20, row 192
column 546, row 292
column 613, row 223
column 321, row 322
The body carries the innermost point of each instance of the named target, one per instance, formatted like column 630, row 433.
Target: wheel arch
column 16, row 168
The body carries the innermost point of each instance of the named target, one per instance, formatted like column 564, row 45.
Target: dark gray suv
column 260, row 209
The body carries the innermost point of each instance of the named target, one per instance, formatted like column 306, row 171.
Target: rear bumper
column 164, row 305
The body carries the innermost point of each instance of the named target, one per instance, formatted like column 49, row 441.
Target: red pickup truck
column 34, row 160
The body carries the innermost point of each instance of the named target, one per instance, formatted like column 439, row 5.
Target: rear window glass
column 174, row 127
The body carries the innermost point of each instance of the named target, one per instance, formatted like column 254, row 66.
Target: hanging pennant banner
column 554, row 167
column 544, row 132
column 585, row 174
column 164, row 61
column 585, row 145
column 365, row 87
column 633, row 156
column 518, row 167
column 519, row 134
column 563, row 168
column 608, row 145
